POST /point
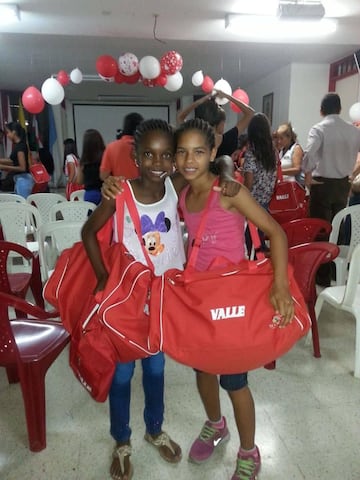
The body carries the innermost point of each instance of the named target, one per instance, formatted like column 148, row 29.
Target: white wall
column 349, row 92
column 308, row 85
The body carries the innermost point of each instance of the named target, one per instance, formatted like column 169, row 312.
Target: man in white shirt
column 329, row 159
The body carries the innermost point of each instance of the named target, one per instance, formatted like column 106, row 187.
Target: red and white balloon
column 171, row 62
column 128, row 64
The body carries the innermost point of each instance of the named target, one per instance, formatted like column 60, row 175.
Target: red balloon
column 132, row 78
column 106, row 66
column 239, row 95
column 119, row 77
column 171, row 62
column 149, row 82
column 63, row 78
column 161, row 80
column 207, row 85
column 32, row 100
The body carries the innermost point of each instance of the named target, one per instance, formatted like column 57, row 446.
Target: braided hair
column 202, row 126
column 152, row 125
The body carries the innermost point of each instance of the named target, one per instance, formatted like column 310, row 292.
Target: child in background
column 71, row 166
column 89, row 171
column 195, row 150
column 156, row 196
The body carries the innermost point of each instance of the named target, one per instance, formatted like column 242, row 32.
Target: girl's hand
column 228, row 187
column 111, row 187
column 283, row 303
column 101, row 284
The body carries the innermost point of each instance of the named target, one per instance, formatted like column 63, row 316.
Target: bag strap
column 198, row 238
column 279, row 175
column 255, row 238
column 127, row 198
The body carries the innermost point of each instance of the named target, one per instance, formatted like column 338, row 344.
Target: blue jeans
column 120, row 393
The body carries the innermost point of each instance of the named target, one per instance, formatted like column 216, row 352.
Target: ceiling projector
column 303, row 10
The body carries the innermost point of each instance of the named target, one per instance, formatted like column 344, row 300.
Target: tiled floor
column 308, row 421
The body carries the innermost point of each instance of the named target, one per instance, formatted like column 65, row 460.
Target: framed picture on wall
column 267, row 106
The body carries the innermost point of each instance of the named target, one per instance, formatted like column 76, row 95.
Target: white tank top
column 160, row 229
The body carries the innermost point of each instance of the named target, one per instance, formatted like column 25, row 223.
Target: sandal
column 167, row 448
column 119, row 455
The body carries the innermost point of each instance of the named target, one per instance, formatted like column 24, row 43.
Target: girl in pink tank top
column 224, row 237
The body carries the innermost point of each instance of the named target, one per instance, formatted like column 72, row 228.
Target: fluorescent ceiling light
column 9, row 12
column 272, row 27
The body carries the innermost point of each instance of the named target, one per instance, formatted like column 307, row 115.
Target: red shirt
column 118, row 158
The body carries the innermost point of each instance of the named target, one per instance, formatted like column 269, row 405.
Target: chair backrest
column 306, row 259
column 77, row 195
column 44, row 201
column 353, row 277
column 11, row 197
column 19, row 221
column 6, row 267
column 305, row 230
column 71, row 211
column 53, row 238
column 9, row 353
column 354, row 214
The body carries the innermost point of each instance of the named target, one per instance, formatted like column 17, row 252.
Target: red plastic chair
column 30, row 346
column 19, row 283
column 306, row 259
column 305, row 230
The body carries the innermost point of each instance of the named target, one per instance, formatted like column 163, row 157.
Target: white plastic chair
column 343, row 260
column 53, row 238
column 71, row 211
column 347, row 299
column 19, row 224
column 77, row 195
column 44, row 201
column 11, row 197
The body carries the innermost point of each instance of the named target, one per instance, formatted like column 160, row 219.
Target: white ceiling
column 64, row 34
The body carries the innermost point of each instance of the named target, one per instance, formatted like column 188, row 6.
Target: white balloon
column 52, row 91
column 149, row 67
column 354, row 112
column 225, row 87
column 174, row 82
column 197, row 79
column 76, row 76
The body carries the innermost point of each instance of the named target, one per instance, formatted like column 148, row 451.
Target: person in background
column 17, row 178
column 118, row 159
column 2, row 145
column 224, row 237
column 329, row 160
column 290, row 153
column 90, row 160
column 207, row 109
column 71, row 166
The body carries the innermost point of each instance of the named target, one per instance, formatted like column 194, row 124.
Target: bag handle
column 127, row 198
column 279, row 174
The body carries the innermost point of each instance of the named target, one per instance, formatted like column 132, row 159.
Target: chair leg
column 314, row 331
column 32, row 379
column 12, row 373
column 357, row 347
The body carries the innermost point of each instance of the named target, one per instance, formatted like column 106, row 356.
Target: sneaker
column 247, row 466
column 209, row 438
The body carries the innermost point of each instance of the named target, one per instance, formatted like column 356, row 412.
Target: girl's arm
column 296, row 161
column 181, row 116
column 280, row 295
column 248, row 180
column 71, row 172
column 248, row 112
column 8, row 166
column 97, row 219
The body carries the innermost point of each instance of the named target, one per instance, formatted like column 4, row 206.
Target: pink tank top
column 223, row 235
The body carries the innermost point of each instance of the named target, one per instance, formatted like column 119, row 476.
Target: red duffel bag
column 289, row 200
column 221, row 321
